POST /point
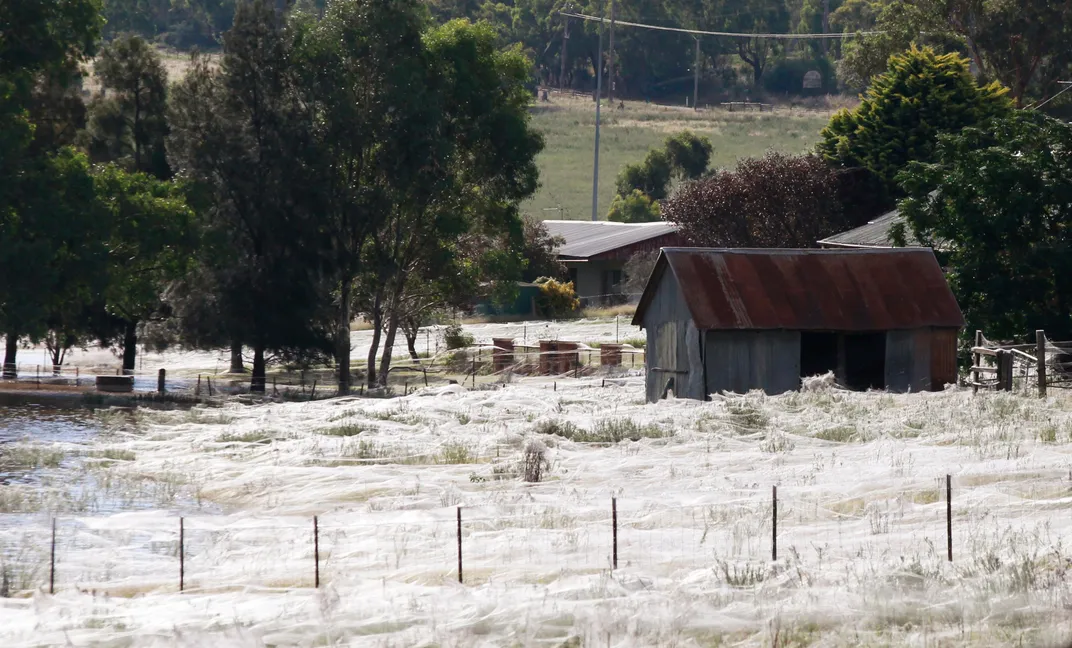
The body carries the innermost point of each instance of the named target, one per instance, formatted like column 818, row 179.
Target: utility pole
column 610, row 61
column 565, row 48
column 826, row 22
column 696, row 77
column 599, row 100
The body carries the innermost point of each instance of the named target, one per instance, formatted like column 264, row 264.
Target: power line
column 699, row 32
column 1068, row 86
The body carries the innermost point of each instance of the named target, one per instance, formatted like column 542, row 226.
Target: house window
column 615, row 279
column 573, row 277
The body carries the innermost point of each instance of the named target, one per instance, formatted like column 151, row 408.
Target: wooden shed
column 734, row 320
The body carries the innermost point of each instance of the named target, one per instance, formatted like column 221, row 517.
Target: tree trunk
column 257, row 379
column 377, row 322
column 130, row 347
column 388, row 349
column 236, row 358
column 342, row 338
column 12, row 349
column 411, row 342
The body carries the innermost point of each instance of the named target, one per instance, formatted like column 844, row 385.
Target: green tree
column 1022, row 45
column 922, row 95
column 755, row 16
column 637, row 207
column 42, row 42
column 149, row 244
column 777, row 200
column 242, row 132
column 996, row 203
column 539, row 251
column 684, row 156
column 49, row 246
column 689, row 154
column 128, row 120
column 650, row 177
column 481, row 167
column 365, row 75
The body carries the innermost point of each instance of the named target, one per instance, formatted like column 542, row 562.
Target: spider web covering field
column 861, row 522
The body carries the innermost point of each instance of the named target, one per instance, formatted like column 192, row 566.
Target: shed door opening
column 818, row 353
column 865, row 360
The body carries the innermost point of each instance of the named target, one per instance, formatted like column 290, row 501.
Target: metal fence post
column 52, row 561
column 182, row 552
column 949, row 516
column 316, row 551
column 460, row 580
column 774, row 520
column 614, row 523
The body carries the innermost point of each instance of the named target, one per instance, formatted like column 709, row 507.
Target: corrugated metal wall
column 740, row 361
column 943, row 357
column 666, row 322
column 908, row 364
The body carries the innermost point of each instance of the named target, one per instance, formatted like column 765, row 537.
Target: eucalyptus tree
column 242, row 132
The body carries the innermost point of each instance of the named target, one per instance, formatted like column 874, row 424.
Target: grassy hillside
column 568, row 124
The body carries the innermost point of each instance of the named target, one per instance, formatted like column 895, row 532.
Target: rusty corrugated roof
column 809, row 290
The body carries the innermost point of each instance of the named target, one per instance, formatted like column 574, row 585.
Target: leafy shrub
column 455, row 337
column 557, row 299
column 689, row 154
column 650, row 177
column 634, row 208
column 920, row 96
column 778, row 200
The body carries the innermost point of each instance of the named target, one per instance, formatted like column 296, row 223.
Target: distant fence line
column 745, row 536
column 1040, row 365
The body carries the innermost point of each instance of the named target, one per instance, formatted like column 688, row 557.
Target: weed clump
column 742, row 575
column 29, row 457
column 262, row 437
column 605, row 431
column 746, row 416
column 112, row 454
column 456, row 453
column 839, row 434
column 455, row 337
column 534, row 462
column 348, row 430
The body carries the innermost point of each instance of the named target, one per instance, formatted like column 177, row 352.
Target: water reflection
column 46, row 424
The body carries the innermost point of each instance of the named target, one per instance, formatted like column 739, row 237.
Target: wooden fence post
column 161, row 378
column 614, row 523
column 1005, row 369
column 316, row 551
column 197, row 390
column 1040, row 361
column 774, row 519
column 460, row 545
column 182, row 552
column 52, row 561
column 976, row 361
column 949, row 516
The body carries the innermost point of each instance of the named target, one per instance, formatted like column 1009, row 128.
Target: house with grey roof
column 595, row 252
column 874, row 234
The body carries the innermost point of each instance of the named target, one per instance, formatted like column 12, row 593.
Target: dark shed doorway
column 865, row 360
column 818, row 353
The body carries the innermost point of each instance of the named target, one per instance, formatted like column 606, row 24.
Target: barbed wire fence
column 741, row 536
